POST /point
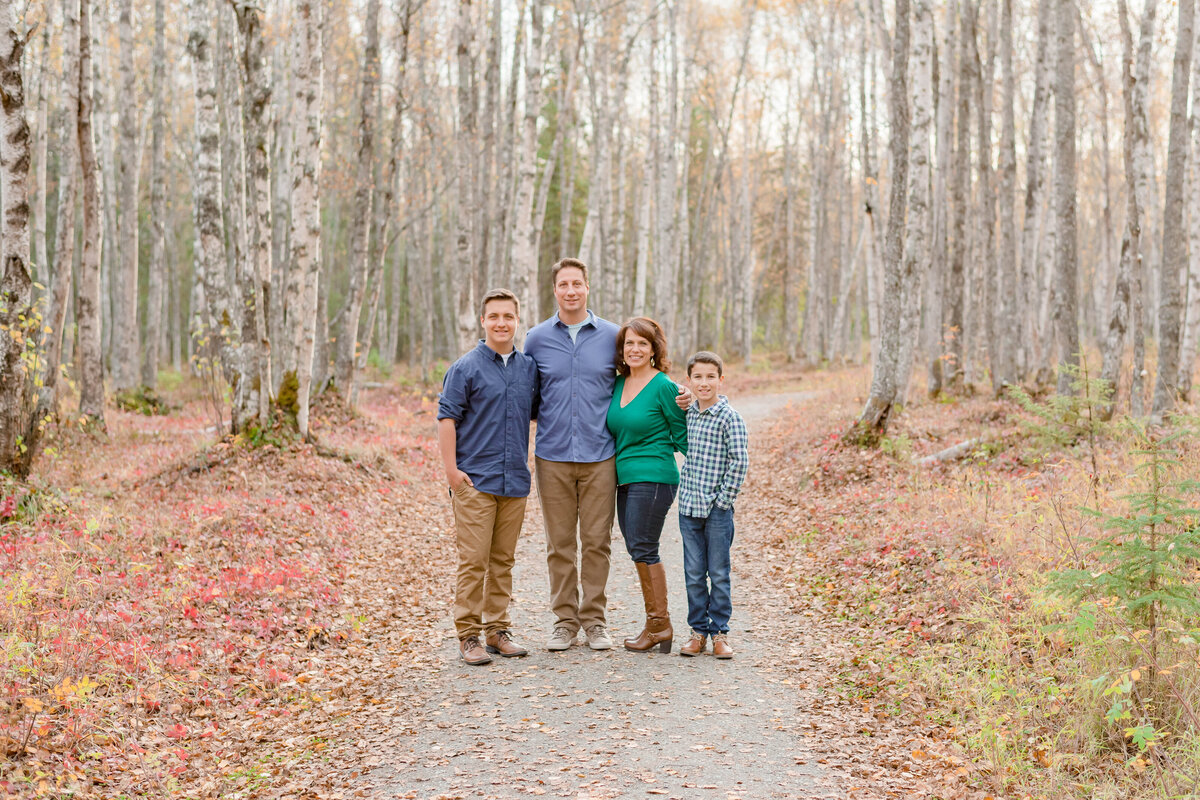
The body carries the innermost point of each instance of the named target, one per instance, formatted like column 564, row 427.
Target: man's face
column 571, row 290
column 705, row 381
column 499, row 323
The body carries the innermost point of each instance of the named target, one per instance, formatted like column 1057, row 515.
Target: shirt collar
column 722, row 401
column 489, row 352
column 590, row 319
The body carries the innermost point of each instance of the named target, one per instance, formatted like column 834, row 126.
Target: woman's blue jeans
column 641, row 511
column 706, row 543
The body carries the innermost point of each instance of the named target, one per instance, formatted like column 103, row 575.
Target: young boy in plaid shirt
column 717, row 459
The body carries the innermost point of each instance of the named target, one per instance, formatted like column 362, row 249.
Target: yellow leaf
column 1135, row 675
column 33, row 704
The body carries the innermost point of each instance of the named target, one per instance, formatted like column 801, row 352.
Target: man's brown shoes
column 502, row 644
column 471, row 651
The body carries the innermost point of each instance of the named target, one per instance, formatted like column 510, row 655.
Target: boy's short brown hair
column 706, row 357
column 498, row 294
column 562, row 264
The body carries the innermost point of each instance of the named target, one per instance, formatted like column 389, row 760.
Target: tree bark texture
column 18, row 324
column 1066, row 322
column 157, row 268
column 885, row 383
column 307, row 66
column 125, row 371
column 87, row 309
column 1174, row 245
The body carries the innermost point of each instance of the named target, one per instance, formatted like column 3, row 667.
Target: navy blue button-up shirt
column 577, row 381
column 491, row 405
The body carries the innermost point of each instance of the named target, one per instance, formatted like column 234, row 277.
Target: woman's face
column 637, row 350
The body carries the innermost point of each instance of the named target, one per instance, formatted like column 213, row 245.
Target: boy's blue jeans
column 706, row 543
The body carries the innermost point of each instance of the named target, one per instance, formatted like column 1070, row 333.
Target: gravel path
column 586, row 724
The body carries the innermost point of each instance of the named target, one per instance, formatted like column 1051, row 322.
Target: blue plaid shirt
column 717, row 459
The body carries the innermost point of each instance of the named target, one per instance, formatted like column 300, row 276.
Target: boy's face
column 705, row 381
column 500, row 324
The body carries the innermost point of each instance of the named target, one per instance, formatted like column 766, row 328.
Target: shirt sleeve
column 737, row 461
column 452, row 402
column 676, row 416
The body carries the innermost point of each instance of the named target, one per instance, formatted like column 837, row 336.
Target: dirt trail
column 587, row 724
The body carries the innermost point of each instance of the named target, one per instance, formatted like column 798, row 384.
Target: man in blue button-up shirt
column 575, row 353
column 488, row 398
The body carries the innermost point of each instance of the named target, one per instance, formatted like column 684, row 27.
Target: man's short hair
column 706, row 357
column 498, row 294
column 562, row 264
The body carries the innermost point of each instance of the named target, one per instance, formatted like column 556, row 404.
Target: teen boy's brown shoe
column 471, row 651
column 695, row 644
column 721, row 647
column 501, row 643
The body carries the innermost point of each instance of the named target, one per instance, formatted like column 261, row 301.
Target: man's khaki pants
column 584, row 495
column 487, row 527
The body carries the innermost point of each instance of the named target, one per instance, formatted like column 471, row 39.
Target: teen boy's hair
column 498, row 294
column 706, row 357
column 562, row 264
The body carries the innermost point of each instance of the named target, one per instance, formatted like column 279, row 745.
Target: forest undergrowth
column 1001, row 603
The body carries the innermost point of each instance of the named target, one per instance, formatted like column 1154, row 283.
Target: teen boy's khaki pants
column 584, row 495
column 487, row 527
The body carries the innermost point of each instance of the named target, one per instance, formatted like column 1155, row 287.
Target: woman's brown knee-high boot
column 658, row 620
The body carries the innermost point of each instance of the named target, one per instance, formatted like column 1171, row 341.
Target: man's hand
column 456, row 479
column 684, row 398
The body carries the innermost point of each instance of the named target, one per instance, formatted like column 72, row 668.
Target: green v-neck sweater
column 648, row 431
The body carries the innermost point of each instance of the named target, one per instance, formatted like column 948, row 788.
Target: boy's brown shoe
column 721, row 647
column 471, row 651
column 501, row 643
column 695, row 644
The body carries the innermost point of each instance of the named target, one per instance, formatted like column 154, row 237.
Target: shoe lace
column 564, row 634
column 471, row 642
column 597, row 630
column 503, row 636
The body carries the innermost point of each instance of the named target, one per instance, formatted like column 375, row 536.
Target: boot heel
column 664, row 647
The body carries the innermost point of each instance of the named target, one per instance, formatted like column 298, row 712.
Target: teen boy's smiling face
column 500, row 324
column 705, row 381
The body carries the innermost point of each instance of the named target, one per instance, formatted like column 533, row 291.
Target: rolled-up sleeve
column 452, row 402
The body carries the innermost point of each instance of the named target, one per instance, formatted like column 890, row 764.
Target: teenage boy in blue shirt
column 488, row 398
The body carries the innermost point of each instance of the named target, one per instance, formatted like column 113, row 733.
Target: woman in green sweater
column 648, row 427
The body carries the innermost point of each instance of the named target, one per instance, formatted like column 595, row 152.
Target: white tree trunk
column 18, row 328
column 157, row 268
column 1174, row 245
column 307, row 65
column 916, row 248
column 524, row 239
column 1066, row 323
column 1143, row 159
column 1191, row 329
column 873, row 420
column 87, row 310
column 364, row 183
column 465, row 169
column 125, row 323
column 255, row 278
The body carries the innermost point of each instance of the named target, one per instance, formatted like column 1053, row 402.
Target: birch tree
column 524, row 258
column 125, row 372
column 1066, row 265
column 307, row 65
column 1118, row 324
column 255, row 277
column 1005, row 368
column 347, row 341
column 158, row 201
column 463, row 281
column 1191, row 328
column 1174, row 245
column 18, row 325
column 885, row 381
column 87, row 309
